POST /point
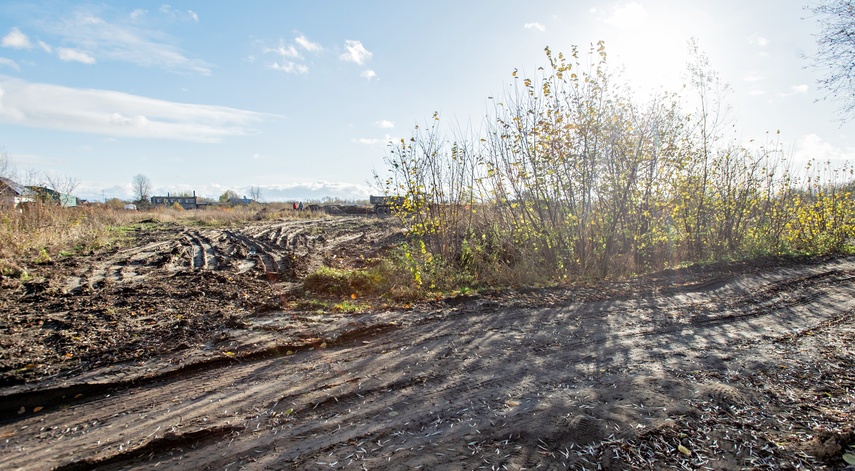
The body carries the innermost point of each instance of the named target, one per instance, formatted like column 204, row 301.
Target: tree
column 835, row 56
column 61, row 183
column 141, row 187
column 255, row 193
column 7, row 170
column 229, row 194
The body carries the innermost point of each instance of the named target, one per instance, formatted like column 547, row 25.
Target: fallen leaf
column 393, row 414
column 229, row 354
column 289, row 352
column 323, row 345
column 22, row 410
column 684, row 450
column 37, row 408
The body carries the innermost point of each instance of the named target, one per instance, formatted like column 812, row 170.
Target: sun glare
column 650, row 46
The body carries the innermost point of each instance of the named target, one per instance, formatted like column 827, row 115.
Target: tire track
column 259, row 251
column 427, row 384
column 194, row 250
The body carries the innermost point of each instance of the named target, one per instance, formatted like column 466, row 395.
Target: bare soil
column 197, row 348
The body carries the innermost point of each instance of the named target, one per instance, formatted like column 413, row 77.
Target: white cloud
column 384, row 124
column 119, row 114
column 45, row 47
column 372, row 141
column 284, row 50
column 74, row 55
column 796, row 90
column 16, row 39
column 356, row 52
column 627, row 16
column 535, row 26
column 179, row 15
column 300, row 191
column 752, row 78
column 138, row 14
column 368, row 141
column 812, row 146
column 757, row 40
column 290, row 67
column 304, row 42
column 9, row 63
column 123, row 41
column 369, row 74
column 756, row 92
column 290, row 55
column 313, row 191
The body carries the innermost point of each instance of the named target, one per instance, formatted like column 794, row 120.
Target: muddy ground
column 196, row 348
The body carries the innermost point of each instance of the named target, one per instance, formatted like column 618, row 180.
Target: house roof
column 15, row 187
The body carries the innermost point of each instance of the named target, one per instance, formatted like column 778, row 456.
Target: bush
column 572, row 177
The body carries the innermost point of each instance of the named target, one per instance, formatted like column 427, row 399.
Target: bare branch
column 835, row 57
column 142, row 187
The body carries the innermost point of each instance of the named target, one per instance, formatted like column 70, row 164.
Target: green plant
column 43, row 256
column 350, row 307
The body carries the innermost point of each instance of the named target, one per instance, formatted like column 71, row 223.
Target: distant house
column 47, row 195
column 13, row 193
column 239, row 201
column 186, row 202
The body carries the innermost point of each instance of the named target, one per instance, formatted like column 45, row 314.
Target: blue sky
column 300, row 97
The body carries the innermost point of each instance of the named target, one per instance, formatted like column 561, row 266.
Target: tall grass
column 43, row 231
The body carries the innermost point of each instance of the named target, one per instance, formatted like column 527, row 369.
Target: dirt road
column 726, row 368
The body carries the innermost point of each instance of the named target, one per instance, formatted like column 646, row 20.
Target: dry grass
column 220, row 216
column 42, row 232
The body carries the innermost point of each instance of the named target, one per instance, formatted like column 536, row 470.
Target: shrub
column 573, row 177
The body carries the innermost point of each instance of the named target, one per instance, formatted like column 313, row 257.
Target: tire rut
column 394, row 391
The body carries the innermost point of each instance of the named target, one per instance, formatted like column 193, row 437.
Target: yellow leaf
column 229, row 354
column 289, row 352
column 684, row 450
column 323, row 345
column 37, row 408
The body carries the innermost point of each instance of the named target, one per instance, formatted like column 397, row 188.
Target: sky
column 300, row 98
